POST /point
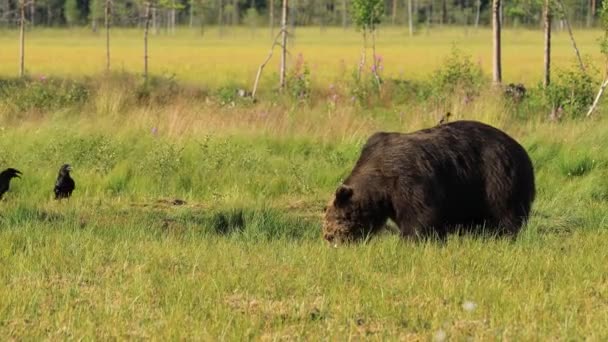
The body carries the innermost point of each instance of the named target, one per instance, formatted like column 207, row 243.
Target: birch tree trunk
column 547, row 20
column 497, row 67
column 282, row 72
column 394, row 12
column 22, row 39
column 146, row 27
column 108, row 13
column 410, row 18
column 478, row 13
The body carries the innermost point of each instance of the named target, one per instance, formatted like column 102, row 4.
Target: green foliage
column 363, row 87
column 96, row 9
column 161, row 89
column 572, row 91
column 163, row 160
column 228, row 95
column 367, row 14
column 604, row 21
column 251, row 18
column 71, row 12
column 42, row 94
column 458, row 75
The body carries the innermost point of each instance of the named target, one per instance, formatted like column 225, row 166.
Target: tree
column 604, row 49
column 410, row 18
column 367, row 14
column 547, row 21
column 71, row 12
column 283, row 69
column 497, row 68
column 95, row 12
column 22, row 5
column 107, row 20
column 147, row 17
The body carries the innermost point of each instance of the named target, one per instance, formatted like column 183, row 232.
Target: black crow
column 5, row 179
column 64, row 184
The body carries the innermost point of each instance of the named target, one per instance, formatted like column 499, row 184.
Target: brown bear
column 463, row 176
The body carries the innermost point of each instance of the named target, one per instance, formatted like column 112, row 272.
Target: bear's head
column 347, row 217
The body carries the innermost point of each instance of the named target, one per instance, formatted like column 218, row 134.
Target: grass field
column 243, row 257
column 212, row 60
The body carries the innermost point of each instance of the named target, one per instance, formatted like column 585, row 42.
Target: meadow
column 197, row 214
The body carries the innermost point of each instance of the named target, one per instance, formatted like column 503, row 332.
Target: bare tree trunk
column 282, row 72
column 394, row 14
column 22, row 39
column 261, row 67
column 597, row 97
column 578, row 54
column 410, row 18
column 497, row 67
column 547, row 20
column 146, row 27
column 173, row 18
column 108, row 13
column 478, row 13
column 444, row 12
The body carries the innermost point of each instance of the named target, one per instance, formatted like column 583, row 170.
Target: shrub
column 572, row 92
column 457, row 76
column 42, row 94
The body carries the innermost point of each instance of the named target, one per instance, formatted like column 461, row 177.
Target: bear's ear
column 343, row 194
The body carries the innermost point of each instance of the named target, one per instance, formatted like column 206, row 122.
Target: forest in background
column 198, row 13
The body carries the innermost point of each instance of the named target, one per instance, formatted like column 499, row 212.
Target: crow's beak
column 18, row 174
column 69, row 168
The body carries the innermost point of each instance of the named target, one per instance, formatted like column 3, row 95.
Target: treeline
column 169, row 13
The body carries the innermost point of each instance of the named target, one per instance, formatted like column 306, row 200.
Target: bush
column 572, row 92
column 42, row 94
column 457, row 76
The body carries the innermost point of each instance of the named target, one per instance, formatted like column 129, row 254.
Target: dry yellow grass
column 209, row 59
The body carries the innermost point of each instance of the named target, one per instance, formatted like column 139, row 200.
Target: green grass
column 243, row 257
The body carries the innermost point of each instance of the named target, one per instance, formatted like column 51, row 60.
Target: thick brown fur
column 463, row 176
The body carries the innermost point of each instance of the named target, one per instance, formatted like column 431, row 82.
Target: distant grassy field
column 212, row 60
column 243, row 257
